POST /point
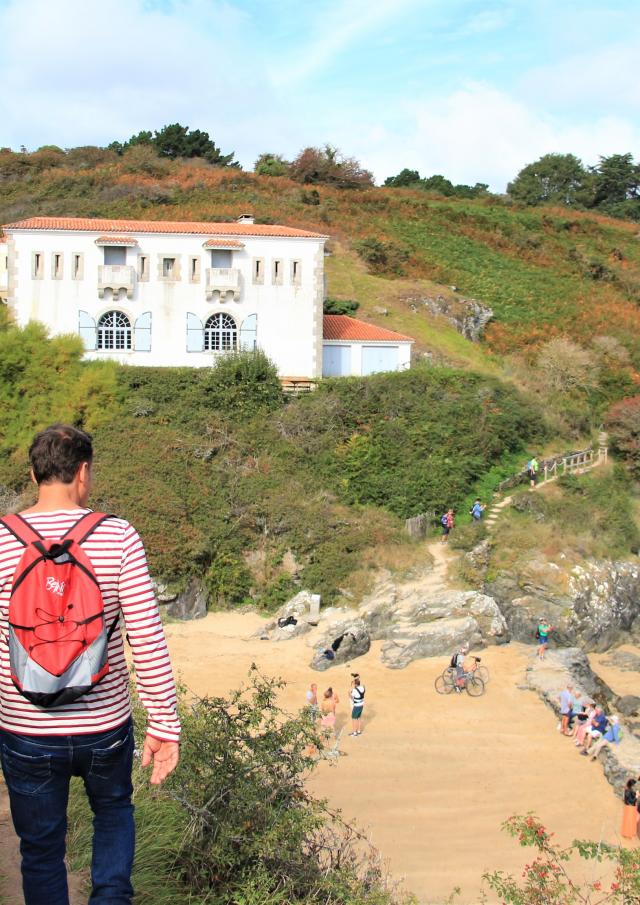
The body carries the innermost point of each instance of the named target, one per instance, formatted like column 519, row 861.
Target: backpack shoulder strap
column 21, row 529
column 85, row 526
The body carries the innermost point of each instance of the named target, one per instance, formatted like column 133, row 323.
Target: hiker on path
column 447, row 524
column 88, row 730
column 476, row 510
column 357, row 703
column 542, row 636
column 532, row 470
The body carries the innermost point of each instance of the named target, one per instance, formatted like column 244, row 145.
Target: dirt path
column 432, row 777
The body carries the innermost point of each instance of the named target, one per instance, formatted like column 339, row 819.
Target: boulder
column 347, row 639
column 629, row 705
column 410, row 642
column 190, row 603
column 549, row 676
column 295, row 611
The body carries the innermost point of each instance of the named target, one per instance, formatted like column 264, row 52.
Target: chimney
column 247, row 219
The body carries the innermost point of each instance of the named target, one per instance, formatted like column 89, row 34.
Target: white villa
column 181, row 293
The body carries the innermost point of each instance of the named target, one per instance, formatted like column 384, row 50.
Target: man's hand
column 163, row 755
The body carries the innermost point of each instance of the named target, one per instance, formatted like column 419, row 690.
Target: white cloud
column 76, row 72
column 481, row 134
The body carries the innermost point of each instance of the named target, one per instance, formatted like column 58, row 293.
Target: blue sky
column 473, row 90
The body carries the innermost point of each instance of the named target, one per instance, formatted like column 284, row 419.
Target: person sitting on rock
column 583, row 721
column 595, row 730
column 566, row 708
column 613, row 736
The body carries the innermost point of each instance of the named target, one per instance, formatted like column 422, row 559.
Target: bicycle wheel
column 482, row 673
column 474, row 686
column 444, row 684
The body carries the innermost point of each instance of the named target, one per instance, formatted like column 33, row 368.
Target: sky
column 468, row 89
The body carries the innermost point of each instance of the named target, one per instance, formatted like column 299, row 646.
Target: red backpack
column 57, row 633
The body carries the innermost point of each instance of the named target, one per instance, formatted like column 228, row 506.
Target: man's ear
column 33, row 477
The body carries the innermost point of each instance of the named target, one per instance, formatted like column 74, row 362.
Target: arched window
column 114, row 331
column 220, row 333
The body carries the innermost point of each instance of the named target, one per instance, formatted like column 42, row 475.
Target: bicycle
column 480, row 671
column 448, row 682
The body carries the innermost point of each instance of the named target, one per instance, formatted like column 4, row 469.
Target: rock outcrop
column 595, row 605
column 468, row 316
column 549, row 676
column 190, row 603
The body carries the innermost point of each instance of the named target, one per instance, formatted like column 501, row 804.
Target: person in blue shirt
column 476, row 510
column 612, row 736
column 595, row 731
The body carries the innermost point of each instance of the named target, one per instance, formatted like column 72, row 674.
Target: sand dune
column 431, row 778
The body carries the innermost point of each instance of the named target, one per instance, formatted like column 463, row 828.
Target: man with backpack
column 447, row 524
column 476, row 510
column 532, row 470
column 70, row 581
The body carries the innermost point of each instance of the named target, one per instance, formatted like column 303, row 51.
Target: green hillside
column 544, row 271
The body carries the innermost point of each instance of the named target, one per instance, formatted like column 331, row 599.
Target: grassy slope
column 543, row 271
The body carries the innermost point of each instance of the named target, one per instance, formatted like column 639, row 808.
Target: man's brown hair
column 57, row 453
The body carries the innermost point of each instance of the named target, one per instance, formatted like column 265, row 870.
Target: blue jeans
column 37, row 770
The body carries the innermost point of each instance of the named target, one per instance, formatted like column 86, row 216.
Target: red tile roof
column 223, row 243
column 87, row 224
column 116, row 240
column 339, row 326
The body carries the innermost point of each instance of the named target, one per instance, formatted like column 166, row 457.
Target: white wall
column 289, row 316
column 404, row 353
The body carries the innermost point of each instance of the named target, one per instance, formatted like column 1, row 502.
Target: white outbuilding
column 352, row 347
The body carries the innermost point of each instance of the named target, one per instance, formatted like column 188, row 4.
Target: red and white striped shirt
column 118, row 558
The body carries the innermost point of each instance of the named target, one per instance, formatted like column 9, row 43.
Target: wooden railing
column 574, row 463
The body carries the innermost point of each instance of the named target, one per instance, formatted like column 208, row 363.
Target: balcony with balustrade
column 223, row 282
column 116, row 277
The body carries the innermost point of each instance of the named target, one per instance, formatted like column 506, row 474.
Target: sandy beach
column 432, row 777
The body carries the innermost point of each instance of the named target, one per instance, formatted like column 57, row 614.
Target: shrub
column 546, row 879
column 244, row 382
column 623, row 423
column 381, row 257
column 340, row 306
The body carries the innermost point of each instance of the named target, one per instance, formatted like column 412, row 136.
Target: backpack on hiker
column 444, row 521
column 57, row 633
column 454, row 660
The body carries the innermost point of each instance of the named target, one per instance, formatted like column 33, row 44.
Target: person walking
column 89, row 731
column 476, row 511
column 630, row 821
column 533, row 468
column 357, row 703
column 447, row 524
column 542, row 635
column 566, row 708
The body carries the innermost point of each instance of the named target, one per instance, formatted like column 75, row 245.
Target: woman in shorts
column 357, row 704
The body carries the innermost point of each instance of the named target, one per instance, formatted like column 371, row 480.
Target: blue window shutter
column 249, row 333
column 87, row 330
column 195, row 333
column 142, row 333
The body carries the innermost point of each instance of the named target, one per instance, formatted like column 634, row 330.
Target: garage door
column 336, row 361
column 379, row 358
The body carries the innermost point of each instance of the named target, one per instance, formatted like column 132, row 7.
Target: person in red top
column 91, row 737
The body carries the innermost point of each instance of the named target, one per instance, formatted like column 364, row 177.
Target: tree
column 175, row 141
column 617, row 178
column 328, row 165
column 404, row 178
column 271, row 165
column 439, row 184
column 566, row 366
column 559, row 178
